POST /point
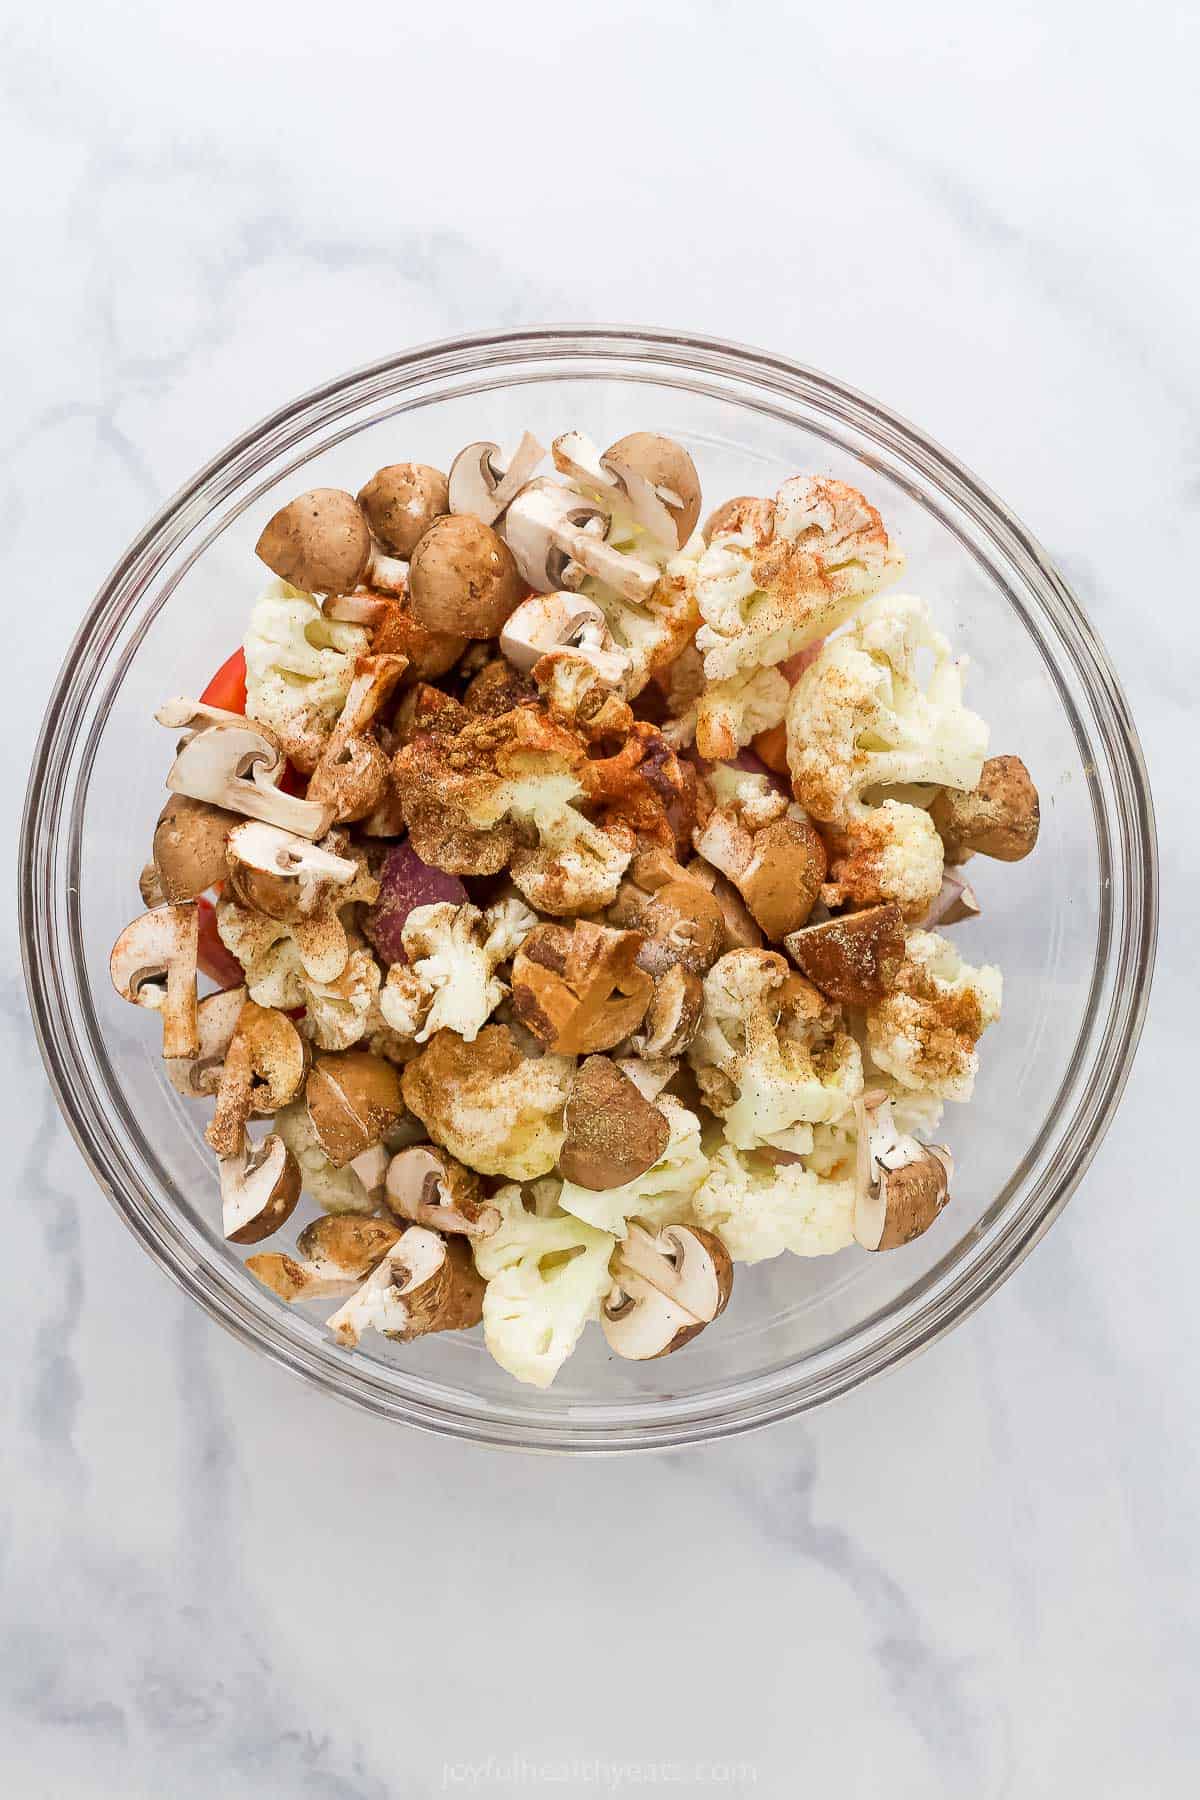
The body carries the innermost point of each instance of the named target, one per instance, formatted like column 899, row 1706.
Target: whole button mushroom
column 321, row 542
column 462, row 578
column 401, row 502
column 353, row 1099
column 1000, row 816
column 613, row 1134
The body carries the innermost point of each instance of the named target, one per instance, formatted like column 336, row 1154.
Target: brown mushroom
column 741, row 932
column 339, row 1252
column 558, row 538
column 424, row 1283
column 282, row 875
column 483, row 484
column 463, row 579
column 259, row 1190
column 189, row 846
column 667, row 1287
column 613, row 1134
column 673, row 1015
column 353, row 1099
column 264, row 1067
column 321, row 542
column 576, row 987
column 430, row 1187
column 1000, row 816
column 353, row 772
column 652, row 476
column 153, row 964
column 778, row 870
column 401, row 502
column 237, row 764
column 683, row 925
column 901, row 1185
column 216, row 1020
column 563, row 621
column 854, row 957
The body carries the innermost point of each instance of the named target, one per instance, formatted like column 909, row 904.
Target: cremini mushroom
column 563, row 621
column 853, row 957
column 463, row 579
column 280, row 874
column 353, row 1099
column 613, row 1134
column 216, row 1020
column 577, row 987
column 653, row 476
column 153, row 964
column 684, row 926
column 352, row 775
column 401, row 502
column 483, row 483
column 234, row 763
column 673, row 1014
column 424, row 1283
column 558, row 539
column 428, row 1186
column 264, row 1066
column 322, row 542
column 189, row 846
column 901, row 1185
column 1000, row 816
column 667, row 1286
column 338, row 1252
column 260, row 1186
column 778, row 870
column 741, row 932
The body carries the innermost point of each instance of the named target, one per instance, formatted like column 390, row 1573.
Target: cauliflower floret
column 337, row 1013
column 546, row 1277
column 494, row 1109
column 752, row 799
column 335, row 1190
column 858, row 718
column 729, row 713
column 660, row 1196
column 577, row 865
column 894, row 853
column 299, row 666
column 449, row 982
column 778, row 575
column 770, row 1055
column 758, row 1209
column 656, row 631
column 925, row 1029
column 284, row 959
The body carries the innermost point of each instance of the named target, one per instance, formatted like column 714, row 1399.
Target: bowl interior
column 1057, row 925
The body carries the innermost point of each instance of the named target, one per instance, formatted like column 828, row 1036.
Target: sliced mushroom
column 613, row 1134
column 353, row 1100
column 401, row 502
column 153, row 964
column 234, row 763
column 1000, row 817
column 265, row 1064
column 430, row 1187
column 667, row 1287
column 189, row 846
column 778, row 871
column 282, row 875
column 463, row 579
column 483, row 484
column 216, row 1020
column 577, row 987
column 563, row 621
column 259, row 1190
column 653, row 476
column 424, row 1283
column 854, row 957
column 673, row 1015
column 901, row 1185
column 359, row 608
column 321, row 542
column 558, row 539
column 741, row 932
column 954, row 903
column 352, row 774
column 339, row 1252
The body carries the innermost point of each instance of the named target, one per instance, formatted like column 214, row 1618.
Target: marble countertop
column 974, row 1577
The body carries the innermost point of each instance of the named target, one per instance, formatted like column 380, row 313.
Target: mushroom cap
column 660, row 483
column 189, row 846
column 558, row 621
column 741, row 931
column 352, row 779
column 781, row 883
column 339, row 1250
column 667, row 1288
column 401, row 502
column 900, row 1185
column 429, row 1186
column 685, row 925
column 463, row 579
column 673, row 1015
column 265, row 1064
column 353, row 1099
column 853, row 957
column 613, row 1134
column 259, row 1191
column 424, row 1283
column 481, row 485
column 1000, row 817
column 320, row 542
column 237, row 763
column 153, row 964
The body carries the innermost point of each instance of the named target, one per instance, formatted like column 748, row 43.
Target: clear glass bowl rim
column 1122, row 808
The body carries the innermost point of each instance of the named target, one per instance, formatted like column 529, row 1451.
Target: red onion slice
column 406, row 882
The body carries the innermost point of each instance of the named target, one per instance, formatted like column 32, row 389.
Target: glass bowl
column 1072, row 928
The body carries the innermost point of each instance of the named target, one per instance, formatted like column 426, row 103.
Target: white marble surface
column 977, row 1577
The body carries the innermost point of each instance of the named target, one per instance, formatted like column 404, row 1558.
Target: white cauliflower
column 335, row 1190
column 758, row 1209
column 450, row 982
column 893, row 853
column 729, row 713
column 770, row 1054
column 494, row 1109
column 859, row 719
column 546, row 1277
column 299, row 666
column 776, row 576
column 925, row 1029
column 338, row 1013
column 654, row 632
column 576, row 865
column 661, row 1195
column 753, row 800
